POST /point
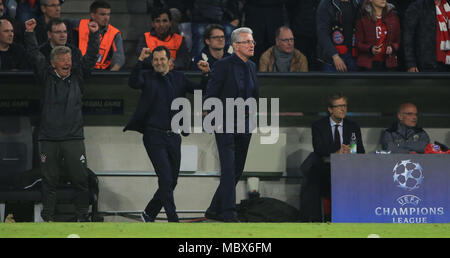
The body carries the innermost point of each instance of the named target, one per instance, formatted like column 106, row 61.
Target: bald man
column 405, row 136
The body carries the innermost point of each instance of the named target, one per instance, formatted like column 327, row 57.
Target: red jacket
column 366, row 39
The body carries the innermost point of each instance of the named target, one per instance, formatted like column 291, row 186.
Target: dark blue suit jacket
column 224, row 80
column 153, row 87
column 323, row 142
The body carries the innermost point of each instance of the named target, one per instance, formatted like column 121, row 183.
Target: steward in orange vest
column 106, row 44
column 162, row 35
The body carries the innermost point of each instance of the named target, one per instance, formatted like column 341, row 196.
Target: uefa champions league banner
column 395, row 188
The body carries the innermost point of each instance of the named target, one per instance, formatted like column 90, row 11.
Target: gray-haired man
column 232, row 77
column 61, row 124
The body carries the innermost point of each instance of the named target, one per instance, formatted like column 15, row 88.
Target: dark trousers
column 166, row 158
column 74, row 155
column 232, row 150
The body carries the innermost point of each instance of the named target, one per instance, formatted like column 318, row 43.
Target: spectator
column 204, row 12
column 61, row 123
column 302, row 17
column 335, row 30
column 51, row 9
column 18, row 28
column 404, row 136
column 331, row 134
column 27, row 9
column 215, row 48
column 111, row 55
column 12, row 55
column 161, row 35
column 264, row 17
column 377, row 36
column 426, row 39
column 57, row 35
column 283, row 57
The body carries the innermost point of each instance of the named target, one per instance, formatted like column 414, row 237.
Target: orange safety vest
column 106, row 42
column 172, row 42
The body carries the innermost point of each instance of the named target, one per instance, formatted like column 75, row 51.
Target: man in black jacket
column 57, row 36
column 336, row 21
column 331, row 134
column 61, row 124
column 153, row 115
column 420, row 35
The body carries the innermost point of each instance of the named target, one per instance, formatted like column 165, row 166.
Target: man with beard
column 161, row 35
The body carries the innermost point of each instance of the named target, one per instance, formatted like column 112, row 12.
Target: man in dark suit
column 331, row 134
column 153, row 117
column 232, row 77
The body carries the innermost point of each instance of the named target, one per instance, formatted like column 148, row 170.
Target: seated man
column 331, row 134
column 215, row 48
column 404, row 136
column 57, row 36
column 283, row 57
column 12, row 55
column 111, row 55
column 161, row 35
column 51, row 9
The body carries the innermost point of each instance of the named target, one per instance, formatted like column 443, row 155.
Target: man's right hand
column 339, row 64
column 144, row 54
column 30, row 25
column 413, row 70
column 345, row 149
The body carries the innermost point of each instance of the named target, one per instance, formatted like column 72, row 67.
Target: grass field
column 222, row 230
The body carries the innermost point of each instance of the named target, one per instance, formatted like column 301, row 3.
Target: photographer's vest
column 172, row 42
column 106, row 43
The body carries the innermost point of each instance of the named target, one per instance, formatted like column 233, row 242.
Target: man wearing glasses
column 404, row 136
column 57, row 36
column 51, row 9
column 330, row 134
column 283, row 57
column 215, row 47
column 231, row 78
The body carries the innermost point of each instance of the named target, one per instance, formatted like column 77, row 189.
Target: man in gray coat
column 405, row 136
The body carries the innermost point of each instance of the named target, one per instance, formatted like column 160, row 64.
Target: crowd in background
column 290, row 35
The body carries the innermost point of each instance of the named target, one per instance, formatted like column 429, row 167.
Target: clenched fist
column 30, row 25
column 145, row 53
column 93, row 27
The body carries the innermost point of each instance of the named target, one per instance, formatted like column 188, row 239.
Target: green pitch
column 221, row 230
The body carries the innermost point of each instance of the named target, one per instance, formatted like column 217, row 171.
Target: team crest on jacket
column 43, row 158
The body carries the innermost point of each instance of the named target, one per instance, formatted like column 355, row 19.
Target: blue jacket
column 224, row 80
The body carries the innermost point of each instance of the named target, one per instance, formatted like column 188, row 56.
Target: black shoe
column 146, row 218
column 209, row 214
column 231, row 220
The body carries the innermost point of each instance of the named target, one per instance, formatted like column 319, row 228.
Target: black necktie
column 337, row 137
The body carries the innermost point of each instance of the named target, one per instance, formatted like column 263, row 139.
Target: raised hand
column 145, row 53
column 93, row 27
column 30, row 25
column 203, row 66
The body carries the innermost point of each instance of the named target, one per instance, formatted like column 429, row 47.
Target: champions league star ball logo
column 408, row 175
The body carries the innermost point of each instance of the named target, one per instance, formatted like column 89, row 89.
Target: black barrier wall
column 373, row 97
